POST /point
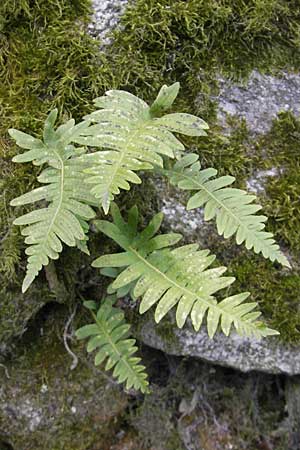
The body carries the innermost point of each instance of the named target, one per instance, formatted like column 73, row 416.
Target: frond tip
column 109, row 336
column 233, row 208
column 166, row 277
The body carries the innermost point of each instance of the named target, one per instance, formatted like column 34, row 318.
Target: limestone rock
column 44, row 405
column 245, row 354
column 260, row 99
column 105, row 17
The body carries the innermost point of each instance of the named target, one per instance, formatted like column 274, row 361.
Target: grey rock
column 45, row 405
column 256, row 183
column 105, row 17
column 260, row 99
column 245, row 354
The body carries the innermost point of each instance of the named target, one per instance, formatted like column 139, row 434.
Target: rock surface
column 244, row 354
column 44, row 405
column 260, row 99
column 105, row 17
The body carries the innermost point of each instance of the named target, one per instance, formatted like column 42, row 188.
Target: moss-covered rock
column 46, row 405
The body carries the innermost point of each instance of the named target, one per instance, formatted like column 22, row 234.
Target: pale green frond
column 180, row 277
column 109, row 336
column 233, row 209
column 65, row 197
column 133, row 137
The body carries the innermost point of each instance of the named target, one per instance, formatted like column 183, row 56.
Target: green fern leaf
column 233, row 209
column 133, row 137
column 69, row 199
column 168, row 277
column 109, row 336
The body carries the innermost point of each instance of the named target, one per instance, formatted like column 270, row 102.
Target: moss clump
column 275, row 290
column 192, row 40
column 279, row 151
column 47, row 60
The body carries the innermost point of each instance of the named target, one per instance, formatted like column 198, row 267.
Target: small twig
column 65, row 337
column 5, row 371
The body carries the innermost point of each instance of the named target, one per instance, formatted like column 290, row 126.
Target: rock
column 245, row 354
column 293, row 408
column 260, row 99
column 18, row 309
column 105, row 17
column 44, row 405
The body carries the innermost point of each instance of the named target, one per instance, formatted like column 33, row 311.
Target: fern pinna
column 69, row 199
column 108, row 335
column 233, row 208
column 165, row 276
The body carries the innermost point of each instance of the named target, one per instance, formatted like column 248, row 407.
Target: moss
column 190, row 41
column 229, row 154
column 275, row 290
column 279, row 150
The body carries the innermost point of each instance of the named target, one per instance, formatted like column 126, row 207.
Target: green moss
column 275, row 290
column 190, row 41
column 279, row 150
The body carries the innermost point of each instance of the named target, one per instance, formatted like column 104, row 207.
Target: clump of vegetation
column 48, row 60
column 133, row 137
column 279, row 151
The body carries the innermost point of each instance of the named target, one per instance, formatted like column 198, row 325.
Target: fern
column 65, row 217
column 134, row 137
column 131, row 136
column 109, row 336
column 168, row 276
column 233, row 208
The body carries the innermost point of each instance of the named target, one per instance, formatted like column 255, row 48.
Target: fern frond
column 233, row 208
column 134, row 137
column 65, row 217
column 109, row 336
column 175, row 276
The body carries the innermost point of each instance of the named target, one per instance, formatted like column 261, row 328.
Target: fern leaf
column 109, row 336
column 133, row 137
column 65, row 218
column 169, row 277
column 233, row 208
